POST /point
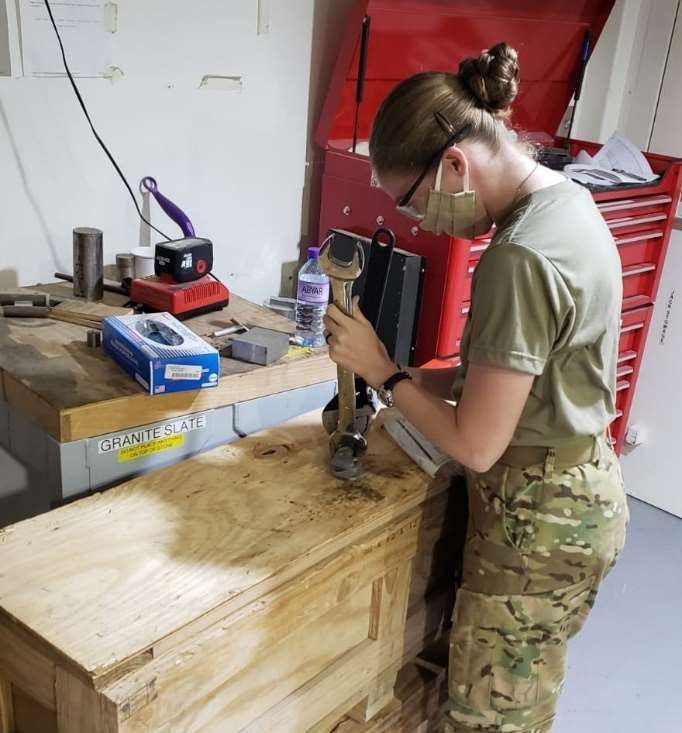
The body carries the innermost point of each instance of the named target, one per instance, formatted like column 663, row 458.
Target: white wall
column 602, row 97
column 666, row 135
column 652, row 470
column 623, row 83
column 233, row 160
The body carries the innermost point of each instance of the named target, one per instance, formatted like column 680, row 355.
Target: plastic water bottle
column 311, row 301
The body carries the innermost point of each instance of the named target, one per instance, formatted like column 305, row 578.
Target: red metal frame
column 411, row 35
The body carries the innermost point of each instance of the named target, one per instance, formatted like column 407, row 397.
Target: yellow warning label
column 133, row 452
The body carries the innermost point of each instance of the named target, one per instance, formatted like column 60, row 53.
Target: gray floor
column 625, row 668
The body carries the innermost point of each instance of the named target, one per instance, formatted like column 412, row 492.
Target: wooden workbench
column 244, row 589
column 48, row 373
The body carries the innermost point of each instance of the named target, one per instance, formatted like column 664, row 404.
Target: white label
column 182, row 371
column 156, row 432
column 313, row 293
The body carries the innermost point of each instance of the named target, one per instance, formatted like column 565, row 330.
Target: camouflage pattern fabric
column 539, row 542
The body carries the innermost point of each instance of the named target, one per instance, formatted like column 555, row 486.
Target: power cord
column 92, row 127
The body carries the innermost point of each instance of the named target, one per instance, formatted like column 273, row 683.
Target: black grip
column 378, row 264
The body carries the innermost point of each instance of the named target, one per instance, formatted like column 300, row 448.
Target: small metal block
column 94, row 339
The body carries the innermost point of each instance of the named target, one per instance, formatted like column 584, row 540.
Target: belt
column 575, row 453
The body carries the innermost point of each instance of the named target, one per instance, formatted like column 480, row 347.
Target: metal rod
column 88, row 267
column 106, row 285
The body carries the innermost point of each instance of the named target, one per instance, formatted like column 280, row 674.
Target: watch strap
column 390, row 384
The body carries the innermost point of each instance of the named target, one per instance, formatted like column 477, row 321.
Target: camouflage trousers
column 539, row 542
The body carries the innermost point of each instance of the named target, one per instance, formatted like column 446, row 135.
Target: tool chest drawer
column 639, row 248
column 633, row 330
column 638, row 282
column 632, row 212
column 478, row 247
column 633, row 334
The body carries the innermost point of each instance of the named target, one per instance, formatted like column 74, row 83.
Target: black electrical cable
column 92, row 127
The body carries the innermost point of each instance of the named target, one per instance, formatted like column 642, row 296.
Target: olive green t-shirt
column 546, row 299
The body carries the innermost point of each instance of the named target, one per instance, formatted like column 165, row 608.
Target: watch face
column 386, row 396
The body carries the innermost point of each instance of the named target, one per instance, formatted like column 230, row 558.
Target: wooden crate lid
column 137, row 569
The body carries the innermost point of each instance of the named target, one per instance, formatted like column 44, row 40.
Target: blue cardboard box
column 160, row 353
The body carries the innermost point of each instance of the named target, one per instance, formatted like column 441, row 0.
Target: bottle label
column 313, row 293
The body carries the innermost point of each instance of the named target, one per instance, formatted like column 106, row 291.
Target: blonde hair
column 406, row 135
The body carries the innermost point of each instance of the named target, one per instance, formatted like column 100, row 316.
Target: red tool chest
column 407, row 36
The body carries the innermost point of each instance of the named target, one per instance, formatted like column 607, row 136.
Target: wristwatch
column 385, row 392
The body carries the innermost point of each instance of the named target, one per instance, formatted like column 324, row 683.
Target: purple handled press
column 173, row 211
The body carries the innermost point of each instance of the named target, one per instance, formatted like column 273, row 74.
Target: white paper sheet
column 618, row 162
column 620, row 154
column 81, row 24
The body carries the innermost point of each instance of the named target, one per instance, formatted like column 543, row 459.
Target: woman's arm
column 476, row 432
column 437, row 382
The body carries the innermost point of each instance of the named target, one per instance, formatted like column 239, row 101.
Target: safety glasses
column 454, row 136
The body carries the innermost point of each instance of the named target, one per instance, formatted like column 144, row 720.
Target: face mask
column 450, row 213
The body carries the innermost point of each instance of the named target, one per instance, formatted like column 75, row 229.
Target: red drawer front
column 638, row 282
column 618, row 434
column 457, row 323
column 640, row 248
column 633, row 330
column 478, row 247
column 442, row 363
column 632, row 214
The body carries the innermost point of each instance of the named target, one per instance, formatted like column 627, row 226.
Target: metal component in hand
column 347, row 444
column 376, row 275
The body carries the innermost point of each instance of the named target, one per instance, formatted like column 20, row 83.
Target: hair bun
column 493, row 77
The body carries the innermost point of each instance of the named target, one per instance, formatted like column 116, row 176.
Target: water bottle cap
column 313, row 253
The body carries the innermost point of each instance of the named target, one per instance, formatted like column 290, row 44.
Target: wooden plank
column 358, row 670
column 77, row 392
column 199, row 670
column 90, row 311
column 24, row 399
column 6, row 707
column 80, row 709
column 390, row 595
column 276, row 673
column 30, row 716
column 417, row 705
column 139, row 409
column 116, row 574
column 24, row 665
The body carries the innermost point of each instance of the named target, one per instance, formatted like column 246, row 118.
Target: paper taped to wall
column 81, row 23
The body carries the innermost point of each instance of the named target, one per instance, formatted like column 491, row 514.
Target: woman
column 535, row 392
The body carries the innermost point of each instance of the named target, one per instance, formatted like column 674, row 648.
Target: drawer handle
column 466, row 309
column 624, row 371
column 634, row 203
column 639, row 237
column 470, row 270
column 619, row 414
column 627, row 356
column 622, row 385
column 634, row 327
column 628, row 272
column 479, row 247
column 631, row 221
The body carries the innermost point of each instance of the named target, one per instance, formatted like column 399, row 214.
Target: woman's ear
column 455, row 161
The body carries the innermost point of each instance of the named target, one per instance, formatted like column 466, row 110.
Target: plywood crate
column 242, row 590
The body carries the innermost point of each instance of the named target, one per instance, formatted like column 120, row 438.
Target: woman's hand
column 354, row 345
